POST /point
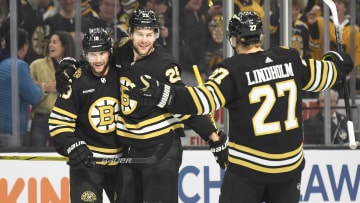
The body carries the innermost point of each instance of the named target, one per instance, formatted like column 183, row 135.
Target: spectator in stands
column 215, row 33
column 89, row 7
column 64, row 19
column 314, row 126
column 107, row 19
column 163, row 12
column 316, row 28
column 4, row 24
column 29, row 92
column 43, row 71
column 300, row 31
column 34, row 12
column 249, row 5
column 128, row 7
column 4, row 10
column 192, row 36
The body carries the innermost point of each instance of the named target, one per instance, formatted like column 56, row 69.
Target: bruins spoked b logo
column 88, row 196
column 103, row 114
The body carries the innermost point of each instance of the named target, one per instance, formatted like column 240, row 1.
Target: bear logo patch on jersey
column 103, row 114
column 88, row 196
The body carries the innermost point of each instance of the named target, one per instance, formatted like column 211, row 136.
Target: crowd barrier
column 330, row 175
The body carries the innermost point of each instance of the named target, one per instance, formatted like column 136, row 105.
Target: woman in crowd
column 43, row 72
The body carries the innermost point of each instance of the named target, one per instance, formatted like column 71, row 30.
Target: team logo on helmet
column 246, row 26
column 96, row 39
column 88, row 196
column 144, row 18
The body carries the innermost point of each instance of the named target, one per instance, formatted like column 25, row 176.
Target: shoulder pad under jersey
column 121, row 42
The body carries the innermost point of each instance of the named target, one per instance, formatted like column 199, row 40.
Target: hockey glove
column 80, row 155
column 154, row 93
column 220, row 150
column 65, row 70
column 343, row 62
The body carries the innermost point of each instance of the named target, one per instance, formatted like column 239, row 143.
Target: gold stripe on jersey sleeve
column 149, row 121
column 196, row 100
column 335, row 76
column 61, row 130
column 105, row 150
column 218, row 92
column 209, row 96
column 61, row 123
column 311, row 66
column 184, row 117
column 324, row 76
column 66, row 113
column 152, row 134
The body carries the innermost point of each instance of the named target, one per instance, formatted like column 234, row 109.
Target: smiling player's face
column 99, row 62
column 143, row 41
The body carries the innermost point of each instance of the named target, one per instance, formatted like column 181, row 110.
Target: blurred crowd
column 50, row 27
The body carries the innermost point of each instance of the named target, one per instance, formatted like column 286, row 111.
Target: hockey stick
column 350, row 124
column 33, row 158
column 199, row 81
column 161, row 151
column 122, row 160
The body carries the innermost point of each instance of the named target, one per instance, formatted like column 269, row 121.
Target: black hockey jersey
column 38, row 31
column 88, row 114
column 262, row 92
column 58, row 22
column 137, row 122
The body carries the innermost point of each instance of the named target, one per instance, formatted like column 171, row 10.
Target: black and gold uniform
column 151, row 134
column 39, row 33
column 262, row 91
column 82, row 126
column 89, row 114
column 254, row 93
column 150, row 131
column 138, row 122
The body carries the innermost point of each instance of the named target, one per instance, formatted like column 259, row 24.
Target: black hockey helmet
column 96, row 39
column 144, row 18
column 246, row 26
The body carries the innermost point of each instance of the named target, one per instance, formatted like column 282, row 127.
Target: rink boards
column 329, row 176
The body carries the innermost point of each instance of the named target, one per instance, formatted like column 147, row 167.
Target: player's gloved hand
column 153, row 93
column 342, row 60
column 220, row 150
column 79, row 154
column 63, row 75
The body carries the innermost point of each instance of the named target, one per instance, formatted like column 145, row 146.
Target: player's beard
column 142, row 53
column 103, row 72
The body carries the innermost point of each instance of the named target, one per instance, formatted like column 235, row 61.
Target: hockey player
column 151, row 131
column 82, row 122
column 147, row 129
column 262, row 92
